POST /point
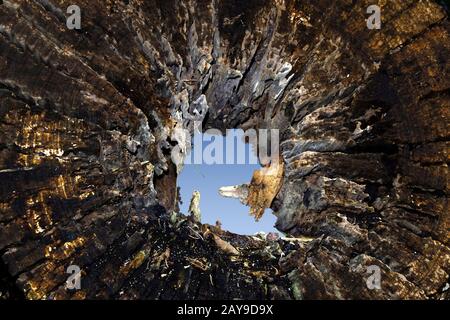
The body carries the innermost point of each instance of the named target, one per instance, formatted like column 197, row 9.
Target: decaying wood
column 263, row 188
column 86, row 119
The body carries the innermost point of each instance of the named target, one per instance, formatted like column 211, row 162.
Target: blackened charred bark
column 86, row 122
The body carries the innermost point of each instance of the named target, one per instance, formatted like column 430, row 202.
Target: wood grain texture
column 85, row 138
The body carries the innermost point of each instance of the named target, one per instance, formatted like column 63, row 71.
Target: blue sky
column 208, row 179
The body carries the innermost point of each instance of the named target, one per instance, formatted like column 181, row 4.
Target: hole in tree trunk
column 231, row 166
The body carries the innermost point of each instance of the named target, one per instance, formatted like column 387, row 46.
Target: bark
column 86, row 122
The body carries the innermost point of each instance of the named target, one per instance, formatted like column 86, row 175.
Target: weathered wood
column 86, row 120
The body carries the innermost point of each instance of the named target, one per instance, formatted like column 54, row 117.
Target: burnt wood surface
column 86, row 118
